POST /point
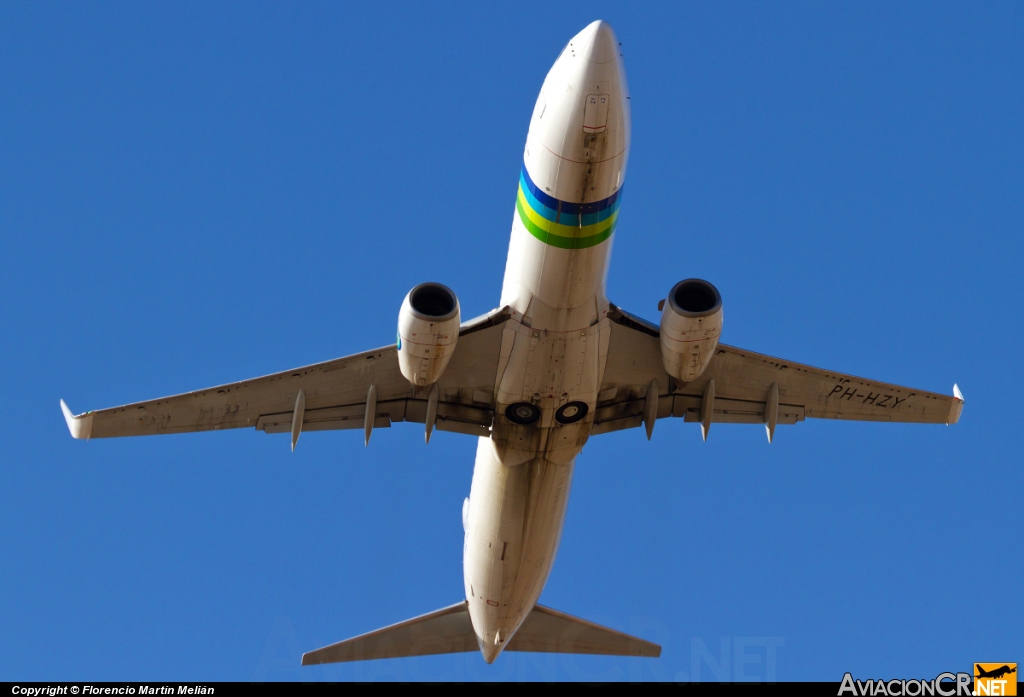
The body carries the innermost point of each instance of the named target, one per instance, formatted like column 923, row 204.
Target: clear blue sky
column 200, row 193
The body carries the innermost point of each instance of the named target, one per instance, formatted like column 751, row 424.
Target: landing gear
column 522, row 413
column 571, row 413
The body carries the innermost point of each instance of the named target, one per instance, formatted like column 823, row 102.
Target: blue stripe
column 565, row 207
column 564, row 217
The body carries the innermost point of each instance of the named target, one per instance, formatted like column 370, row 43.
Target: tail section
column 450, row 630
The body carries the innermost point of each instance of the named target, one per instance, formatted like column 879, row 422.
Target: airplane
column 554, row 365
column 995, row 673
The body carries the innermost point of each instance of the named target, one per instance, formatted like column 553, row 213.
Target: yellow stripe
column 564, row 230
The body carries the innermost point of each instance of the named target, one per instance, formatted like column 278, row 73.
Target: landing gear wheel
column 571, row 413
column 522, row 413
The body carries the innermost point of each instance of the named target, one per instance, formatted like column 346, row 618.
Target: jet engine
column 691, row 322
column 428, row 327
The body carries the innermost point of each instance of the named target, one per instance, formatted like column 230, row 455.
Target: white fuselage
column 553, row 350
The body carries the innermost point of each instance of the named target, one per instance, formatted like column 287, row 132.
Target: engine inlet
column 695, row 298
column 433, row 301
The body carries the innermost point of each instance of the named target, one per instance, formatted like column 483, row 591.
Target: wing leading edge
column 746, row 387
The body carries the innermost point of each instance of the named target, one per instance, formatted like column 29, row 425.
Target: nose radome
column 598, row 42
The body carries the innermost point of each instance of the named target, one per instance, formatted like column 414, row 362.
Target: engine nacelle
column 428, row 327
column 691, row 323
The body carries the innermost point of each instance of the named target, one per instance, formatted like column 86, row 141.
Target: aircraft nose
column 598, row 42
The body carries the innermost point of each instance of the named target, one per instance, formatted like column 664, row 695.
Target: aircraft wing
column 336, row 394
column 748, row 388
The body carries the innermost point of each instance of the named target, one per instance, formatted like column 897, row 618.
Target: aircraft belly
column 549, row 369
column 557, row 278
column 514, row 526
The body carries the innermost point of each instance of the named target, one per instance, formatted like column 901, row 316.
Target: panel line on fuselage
column 584, row 162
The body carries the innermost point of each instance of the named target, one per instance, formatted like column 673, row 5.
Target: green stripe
column 558, row 240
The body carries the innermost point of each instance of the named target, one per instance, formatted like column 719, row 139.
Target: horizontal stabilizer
column 549, row 631
column 450, row 630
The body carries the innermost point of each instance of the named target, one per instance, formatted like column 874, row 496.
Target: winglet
column 956, row 407
column 80, row 426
